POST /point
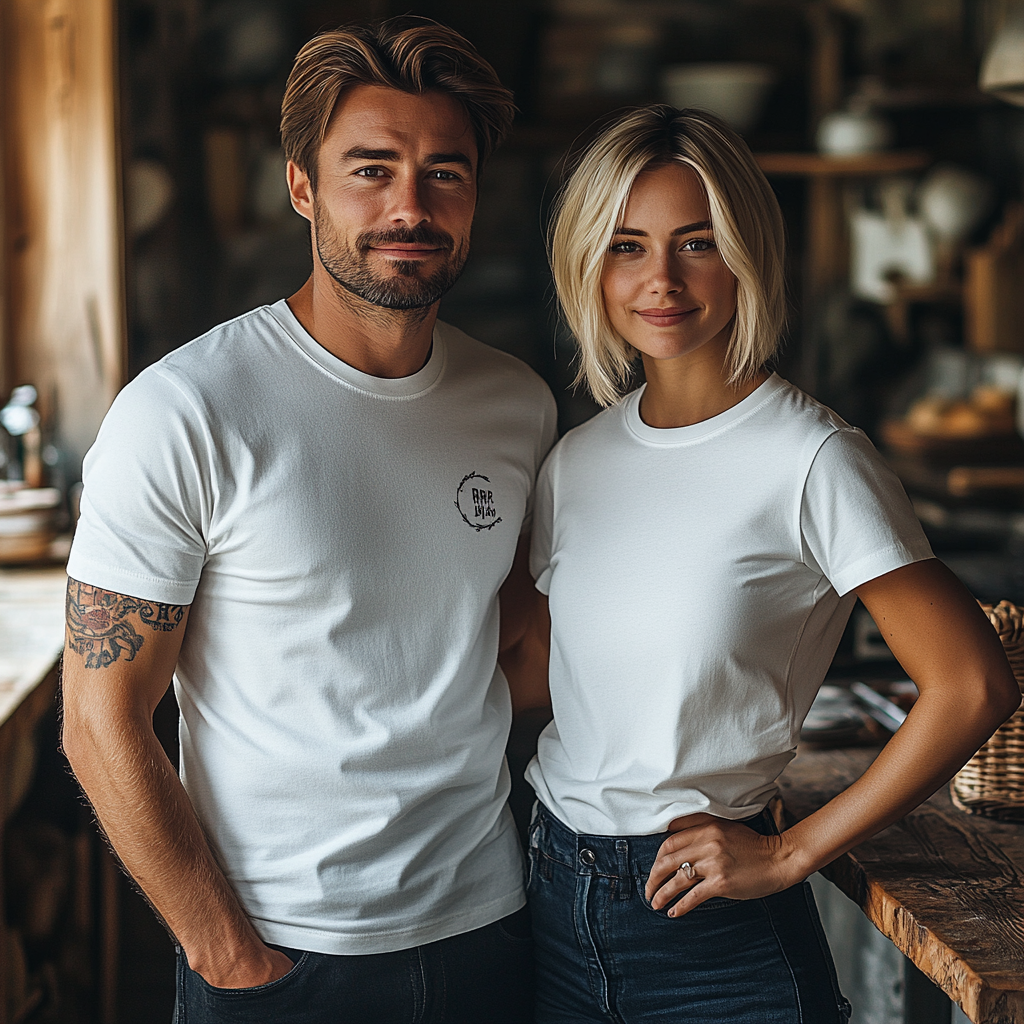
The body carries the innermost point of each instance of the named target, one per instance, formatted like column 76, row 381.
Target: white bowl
column 736, row 92
column 851, row 133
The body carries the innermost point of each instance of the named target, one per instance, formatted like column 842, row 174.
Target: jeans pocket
column 516, row 927
column 298, row 968
column 284, row 1000
column 714, row 903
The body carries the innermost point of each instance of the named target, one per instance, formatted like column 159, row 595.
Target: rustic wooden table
column 31, row 631
column 945, row 886
column 31, row 638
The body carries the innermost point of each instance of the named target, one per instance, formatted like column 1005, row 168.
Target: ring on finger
column 686, row 868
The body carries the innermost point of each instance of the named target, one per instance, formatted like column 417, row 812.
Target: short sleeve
column 856, row 521
column 144, row 502
column 543, row 526
column 547, row 436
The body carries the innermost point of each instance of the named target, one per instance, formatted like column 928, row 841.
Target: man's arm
column 525, row 637
column 119, row 657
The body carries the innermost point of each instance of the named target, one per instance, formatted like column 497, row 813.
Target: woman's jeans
column 603, row 954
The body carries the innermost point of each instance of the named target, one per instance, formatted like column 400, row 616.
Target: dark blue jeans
column 604, row 955
column 482, row 977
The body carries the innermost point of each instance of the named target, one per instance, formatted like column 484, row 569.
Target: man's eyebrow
column 392, row 155
column 450, row 158
column 699, row 225
column 362, row 153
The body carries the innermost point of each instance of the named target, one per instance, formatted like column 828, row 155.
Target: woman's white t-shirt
column 699, row 581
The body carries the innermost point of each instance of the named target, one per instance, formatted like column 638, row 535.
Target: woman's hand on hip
column 707, row 856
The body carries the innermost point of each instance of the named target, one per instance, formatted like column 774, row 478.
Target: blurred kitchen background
column 144, row 202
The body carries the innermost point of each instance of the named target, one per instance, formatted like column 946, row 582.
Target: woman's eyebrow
column 699, row 225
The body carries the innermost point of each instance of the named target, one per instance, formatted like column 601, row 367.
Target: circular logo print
column 475, row 501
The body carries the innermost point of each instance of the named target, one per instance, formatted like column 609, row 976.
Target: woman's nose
column 665, row 277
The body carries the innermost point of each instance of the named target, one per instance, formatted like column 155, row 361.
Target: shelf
column 816, row 165
column 947, row 451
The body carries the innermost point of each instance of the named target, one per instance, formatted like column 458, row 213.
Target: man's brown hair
column 413, row 58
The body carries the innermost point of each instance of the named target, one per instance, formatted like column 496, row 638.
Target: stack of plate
column 834, row 718
column 27, row 522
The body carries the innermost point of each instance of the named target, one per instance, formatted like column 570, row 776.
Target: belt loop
column 625, row 889
column 537, row 830
column 539, row 844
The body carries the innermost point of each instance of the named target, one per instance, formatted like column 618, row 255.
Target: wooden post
column 826, row 64
column 62, row 285
column 825, row 259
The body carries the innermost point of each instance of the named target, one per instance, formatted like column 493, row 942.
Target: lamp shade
column 1002, row 69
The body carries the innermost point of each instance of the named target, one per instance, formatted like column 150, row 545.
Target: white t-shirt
column 699, row 581
column 341, row 539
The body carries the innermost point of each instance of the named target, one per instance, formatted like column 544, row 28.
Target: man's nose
column 407, row 204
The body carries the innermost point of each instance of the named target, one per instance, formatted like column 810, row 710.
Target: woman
column 702, row 542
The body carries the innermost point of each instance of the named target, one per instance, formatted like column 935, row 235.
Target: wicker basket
column 992, row 782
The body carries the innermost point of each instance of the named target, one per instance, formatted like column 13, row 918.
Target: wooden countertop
column 945, row 886
column 31, row 631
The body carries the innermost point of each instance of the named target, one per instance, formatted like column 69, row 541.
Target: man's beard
column 404, row 288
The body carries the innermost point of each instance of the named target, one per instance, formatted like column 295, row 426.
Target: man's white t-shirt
column 341, row 539
column 699, row 581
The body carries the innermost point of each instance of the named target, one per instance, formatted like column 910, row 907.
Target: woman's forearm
column 948, row 647
column 937, row 739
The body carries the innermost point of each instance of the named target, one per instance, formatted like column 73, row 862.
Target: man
column 305, row 515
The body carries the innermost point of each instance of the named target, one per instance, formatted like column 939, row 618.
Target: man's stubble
column 404, row 291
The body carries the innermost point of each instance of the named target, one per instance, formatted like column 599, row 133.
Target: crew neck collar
column 384, row 387
column 669, row 436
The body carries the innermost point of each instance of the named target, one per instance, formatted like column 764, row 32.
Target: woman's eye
column 624, row 247
column 699, row 245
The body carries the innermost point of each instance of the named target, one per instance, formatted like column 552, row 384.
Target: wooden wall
column 62, row 296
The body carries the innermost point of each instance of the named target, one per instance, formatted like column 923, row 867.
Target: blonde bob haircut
column 745, row 219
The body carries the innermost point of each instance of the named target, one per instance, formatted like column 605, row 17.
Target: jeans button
column 587, row 857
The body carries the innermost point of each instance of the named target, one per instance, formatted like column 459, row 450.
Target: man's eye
column 371, row 172
column 440, row 175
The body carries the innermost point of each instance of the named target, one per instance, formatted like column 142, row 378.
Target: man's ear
column 300, row 190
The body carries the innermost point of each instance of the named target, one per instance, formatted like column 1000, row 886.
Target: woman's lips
column 663, row 317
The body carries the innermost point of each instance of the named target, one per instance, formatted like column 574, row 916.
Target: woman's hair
column 417, row 58
column 745, row 218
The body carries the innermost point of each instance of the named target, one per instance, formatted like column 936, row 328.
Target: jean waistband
column 614, row 856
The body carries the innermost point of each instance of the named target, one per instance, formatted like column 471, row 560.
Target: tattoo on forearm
column 100, row 627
